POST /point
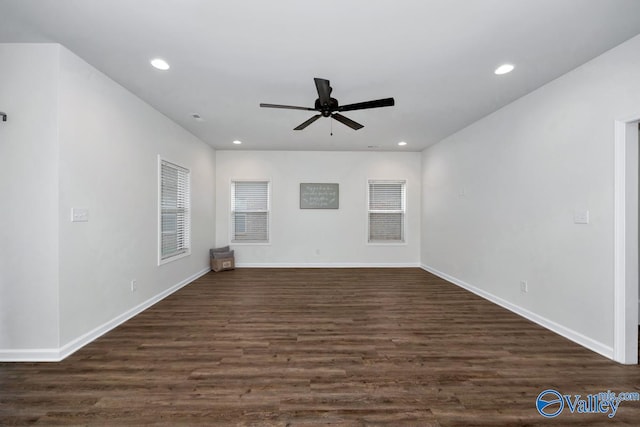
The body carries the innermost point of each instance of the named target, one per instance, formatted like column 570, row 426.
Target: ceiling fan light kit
column 327, row 106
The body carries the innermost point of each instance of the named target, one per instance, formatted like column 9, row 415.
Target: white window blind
column 250, row 211
column 175, row 205
column 386, row 211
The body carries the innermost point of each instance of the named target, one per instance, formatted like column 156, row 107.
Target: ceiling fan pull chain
column 331, row 121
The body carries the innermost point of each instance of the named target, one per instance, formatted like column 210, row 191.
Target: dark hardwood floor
column 315, row 347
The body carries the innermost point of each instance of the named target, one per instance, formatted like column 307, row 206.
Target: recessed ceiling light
column 401, row 143
column 504, row 69
column 160, row 64
column 237, row 142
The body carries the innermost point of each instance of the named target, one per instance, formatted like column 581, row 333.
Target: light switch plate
column 79, row 215
column 581, row 216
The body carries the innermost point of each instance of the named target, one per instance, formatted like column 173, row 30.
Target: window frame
column 403, row 211
column 183, row 250
column 232, row 224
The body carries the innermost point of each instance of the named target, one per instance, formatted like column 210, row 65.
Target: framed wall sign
column 319, row 195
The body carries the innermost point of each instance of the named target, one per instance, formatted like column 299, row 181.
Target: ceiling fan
column 329, row 107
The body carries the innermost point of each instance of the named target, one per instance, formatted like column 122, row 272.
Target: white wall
column 81, row 140
column 109, row 143
column 29, row 195
column 310, row 237
column 499, row 199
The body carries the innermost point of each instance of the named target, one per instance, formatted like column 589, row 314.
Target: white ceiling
column 435, row 57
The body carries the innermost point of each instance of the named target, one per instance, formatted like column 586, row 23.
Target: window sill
column 250, row 243
column 173, row 258
column 387, row 243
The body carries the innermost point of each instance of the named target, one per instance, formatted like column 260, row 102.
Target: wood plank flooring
column 316, row 347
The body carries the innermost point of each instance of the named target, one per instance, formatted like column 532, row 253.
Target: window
column 386, row 211
column 175, row 216
column 250, row 211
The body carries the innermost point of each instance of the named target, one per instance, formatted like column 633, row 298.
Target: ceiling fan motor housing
column 327, row 109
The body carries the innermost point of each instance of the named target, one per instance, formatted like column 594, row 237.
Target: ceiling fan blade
column 308, row 122
column 346, row 121
column 288, row 107
column 386, row 102
column 324, row 90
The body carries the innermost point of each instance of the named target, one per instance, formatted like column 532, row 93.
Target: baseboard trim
column 56, row 355
column 559, row 329
column 30, row 355
column 328, row 265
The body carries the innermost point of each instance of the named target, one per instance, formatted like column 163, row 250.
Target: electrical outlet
column 524, row 286
column 134, row 285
